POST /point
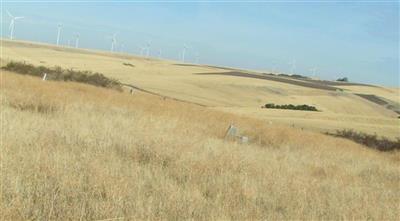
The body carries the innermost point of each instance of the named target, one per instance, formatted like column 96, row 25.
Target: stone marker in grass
column 233, row 134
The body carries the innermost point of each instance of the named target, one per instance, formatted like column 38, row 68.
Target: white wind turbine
column 59, row 27
column 148, row 49
column 197, row 58
column 142, row 49
column 184, row 52
column 77, row 40
column 159, row 53
column 313, row 71
column 274, row 67
column 113, row 41
column 12, row 24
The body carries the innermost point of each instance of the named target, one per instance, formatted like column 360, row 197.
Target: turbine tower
column 12, row 24
column 59, row 27
column 184, row 52
column 159, row 53
column 77, row 40
column 313, row 71
column 274, row 64
column 142, row 49
column 113, row 41
column 197, row 58
column 148, row 49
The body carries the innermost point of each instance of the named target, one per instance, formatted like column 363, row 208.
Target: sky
column 358, row 39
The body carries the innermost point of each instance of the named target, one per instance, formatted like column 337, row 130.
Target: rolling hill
column 367, row 108
column 73, row 151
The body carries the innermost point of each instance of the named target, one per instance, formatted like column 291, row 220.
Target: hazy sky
column 359, row 40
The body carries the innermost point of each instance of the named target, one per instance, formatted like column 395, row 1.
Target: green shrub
column 303, row 107
column 59, row 74
column 128, row 64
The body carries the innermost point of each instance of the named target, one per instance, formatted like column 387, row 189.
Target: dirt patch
column 275, row 78
column 377, row 100
column 373, row 98
column 337, row 83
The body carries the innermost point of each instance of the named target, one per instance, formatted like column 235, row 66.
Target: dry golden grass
column 321, row 121
column 235, row 94
column 77, row 152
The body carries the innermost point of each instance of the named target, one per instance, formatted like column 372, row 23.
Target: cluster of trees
column 303, row 107
column 344, row 79
column 59, row 74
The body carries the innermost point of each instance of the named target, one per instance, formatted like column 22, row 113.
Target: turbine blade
column 11, row 24
column 16, row 18
column 9, row 14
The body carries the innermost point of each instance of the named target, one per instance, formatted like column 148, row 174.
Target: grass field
column 72, row 151
column 77, row 152
column 340, row 110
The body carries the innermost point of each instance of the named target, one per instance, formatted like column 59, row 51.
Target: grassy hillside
column 79, row 152
column 244, row 95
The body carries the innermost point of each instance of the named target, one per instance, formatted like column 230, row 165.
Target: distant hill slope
column 217, row 87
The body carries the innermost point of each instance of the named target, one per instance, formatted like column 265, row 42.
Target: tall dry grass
column 76, row 152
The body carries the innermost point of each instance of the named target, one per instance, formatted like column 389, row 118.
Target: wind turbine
column 313, row 71
column 159, row 53
column 77, row 40
column 142, row 49
column 12, row 24
column 148, row 49
column 113, row 41
column 59, row 27
column 197, row 58
column 293, row 66
column 184, row 52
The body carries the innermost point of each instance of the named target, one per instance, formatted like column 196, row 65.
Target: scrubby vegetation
column 59, row 74
column 294, row 76
column 128, row 64
column 303, row 107
column 372, row 141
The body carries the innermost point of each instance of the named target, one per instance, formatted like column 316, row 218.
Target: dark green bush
column 59, row 74
column 372, row 141
column 303, row 107
column 128, row 64
column 344, row 79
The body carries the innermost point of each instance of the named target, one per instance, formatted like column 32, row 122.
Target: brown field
column 71, row 151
